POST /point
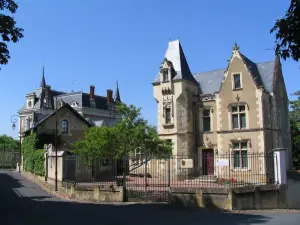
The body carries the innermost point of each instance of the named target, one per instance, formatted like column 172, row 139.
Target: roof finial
column 178, row 38
column 236, row 47
column 117, row 94
column 43, row 81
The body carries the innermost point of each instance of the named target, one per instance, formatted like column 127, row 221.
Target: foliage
column 8, row 30
column 7, row 142
column 33, row 158
column 288, row 33
column 132, row 132
column 295, row 130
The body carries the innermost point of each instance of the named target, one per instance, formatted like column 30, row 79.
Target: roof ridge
column 208, row 71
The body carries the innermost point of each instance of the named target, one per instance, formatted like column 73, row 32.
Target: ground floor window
column 240, row 155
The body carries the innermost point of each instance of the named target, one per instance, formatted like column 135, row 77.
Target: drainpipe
column 195, row 139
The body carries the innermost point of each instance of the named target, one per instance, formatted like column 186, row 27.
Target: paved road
column 25, row 203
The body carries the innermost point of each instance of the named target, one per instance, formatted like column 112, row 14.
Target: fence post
column 280, row 165
column 145, row 177
column 229, row 166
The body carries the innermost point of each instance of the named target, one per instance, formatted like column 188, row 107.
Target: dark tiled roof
column 83, row 99
column 55, row 112
column 176, row 56
column 252, row 67
column 210, row 82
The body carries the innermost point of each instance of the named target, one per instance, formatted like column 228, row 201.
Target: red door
column 208, row 161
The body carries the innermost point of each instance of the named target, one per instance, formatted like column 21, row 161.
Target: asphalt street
column 23, row 202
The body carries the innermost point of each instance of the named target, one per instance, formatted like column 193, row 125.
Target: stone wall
column 241, row 198
column 293, row 190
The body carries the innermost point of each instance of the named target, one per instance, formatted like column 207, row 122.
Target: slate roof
column 40, row 96
column 83, row 99
column 176, row 55
column 55, row 112
column 210, row 81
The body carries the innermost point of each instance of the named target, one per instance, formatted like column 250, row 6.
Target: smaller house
column 62, row 128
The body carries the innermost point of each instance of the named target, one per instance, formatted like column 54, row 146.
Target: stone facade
column 243, row 104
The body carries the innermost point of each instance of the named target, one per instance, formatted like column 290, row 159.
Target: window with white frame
column 238, row 116
column 237, row 84
column 240, row 155
column 206, row 120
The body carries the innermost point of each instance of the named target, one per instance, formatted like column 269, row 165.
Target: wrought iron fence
column 150, row 178
column 9, row 158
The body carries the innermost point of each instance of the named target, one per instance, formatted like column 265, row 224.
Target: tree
column 287, row 33
column 8, row 30
column 131, row 133
column 7, row 142
column 295, row 130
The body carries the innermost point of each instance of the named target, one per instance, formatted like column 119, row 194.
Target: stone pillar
column 280, row 165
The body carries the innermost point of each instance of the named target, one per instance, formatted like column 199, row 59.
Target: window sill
column 166, row 81
column 244, row 128
column 206, row 132
column 237, row 89
column 168, row 125
column 241, row 170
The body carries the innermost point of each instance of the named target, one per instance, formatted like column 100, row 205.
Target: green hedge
column 33, row 158
column 34, row 162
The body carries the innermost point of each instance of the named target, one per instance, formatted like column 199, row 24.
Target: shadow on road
column 22, row 202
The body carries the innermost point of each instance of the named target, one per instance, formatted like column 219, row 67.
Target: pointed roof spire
column 175, row 55
column 117, row 97
column 43, row 81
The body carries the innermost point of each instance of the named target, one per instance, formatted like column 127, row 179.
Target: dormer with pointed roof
column 175, row 58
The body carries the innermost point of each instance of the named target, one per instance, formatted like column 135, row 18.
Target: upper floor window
column 168, row 115
column 206, row 120
column 240, row 155
column 165, row 75
column 238, row 116
column 237, row 81
column 64, row 126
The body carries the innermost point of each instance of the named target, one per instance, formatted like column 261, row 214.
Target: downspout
column 195, row 139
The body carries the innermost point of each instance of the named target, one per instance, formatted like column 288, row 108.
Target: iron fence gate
column 150, row 179
column 9, row 158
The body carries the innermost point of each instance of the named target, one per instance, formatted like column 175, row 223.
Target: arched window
column 64, row 126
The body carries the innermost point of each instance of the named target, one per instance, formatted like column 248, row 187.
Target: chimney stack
column 92, row 92
column 109, row 96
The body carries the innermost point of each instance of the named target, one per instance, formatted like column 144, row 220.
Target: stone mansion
column 240, row 109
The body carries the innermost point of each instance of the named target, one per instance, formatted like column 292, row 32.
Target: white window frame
column 240, row 149
column 232, row 79
column 231, row 113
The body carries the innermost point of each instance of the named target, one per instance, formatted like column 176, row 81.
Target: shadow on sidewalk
column 21, row 203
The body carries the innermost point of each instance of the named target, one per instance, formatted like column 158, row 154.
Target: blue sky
column 101, row 41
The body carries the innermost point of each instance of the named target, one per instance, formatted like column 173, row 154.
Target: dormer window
column 29, row 104
column 74, row 104
column 237, row 81
column 165, row 75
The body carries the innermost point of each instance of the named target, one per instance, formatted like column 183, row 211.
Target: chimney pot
column 92, row 92
column 109, row 95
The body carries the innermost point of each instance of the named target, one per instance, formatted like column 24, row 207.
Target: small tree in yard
column 132, row 132
column 295, row 130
